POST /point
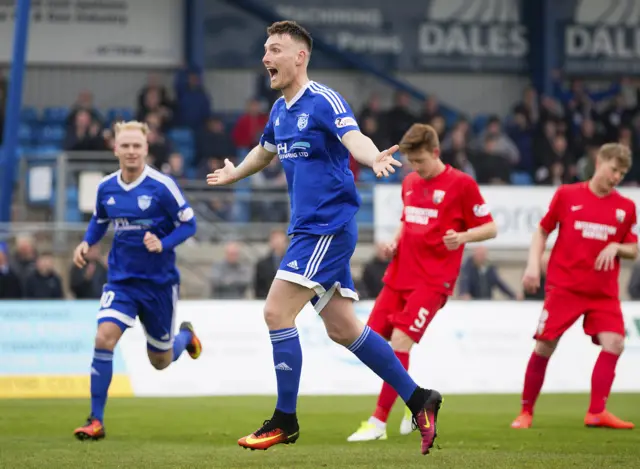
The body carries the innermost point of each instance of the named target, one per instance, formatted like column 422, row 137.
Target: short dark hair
column 293, row 29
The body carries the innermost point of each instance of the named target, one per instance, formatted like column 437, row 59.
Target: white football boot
column 406, row 426
column 370, row 430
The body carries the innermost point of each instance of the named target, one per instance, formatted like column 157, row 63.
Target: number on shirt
column 106, row 299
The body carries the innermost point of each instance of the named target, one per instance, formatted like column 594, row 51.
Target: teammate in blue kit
column 151, row 217
column 312, row 130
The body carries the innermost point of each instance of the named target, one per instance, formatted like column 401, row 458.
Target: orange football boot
column 194, row 348
column 270, row 434
column 92, row 430
column 523, row 420
column 606, row 419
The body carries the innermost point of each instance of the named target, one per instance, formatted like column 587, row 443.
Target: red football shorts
column 410, row 311
column 562, row 308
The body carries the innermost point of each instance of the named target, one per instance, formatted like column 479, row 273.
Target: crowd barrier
column 470, row 347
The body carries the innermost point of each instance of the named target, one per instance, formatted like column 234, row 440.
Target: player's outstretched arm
column 98, row 226
column 365, row 152
column 257, row 159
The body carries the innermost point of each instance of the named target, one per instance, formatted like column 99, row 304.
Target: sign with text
column 430, row 35
column 598, row 37
column 108, row 32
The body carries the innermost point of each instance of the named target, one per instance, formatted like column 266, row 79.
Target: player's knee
column 612, row 343
column 545, row 348
column 344, row 332
column 277, row 318
column 107, row 336
column 400, row 341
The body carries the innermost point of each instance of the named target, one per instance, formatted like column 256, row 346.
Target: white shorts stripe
column 325, row 248
column 112, row 313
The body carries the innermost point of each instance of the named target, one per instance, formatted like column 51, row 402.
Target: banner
column 429, row 35
column 470, row 347
column 108, row 32
column 516, row 210
column 46, row 348
column 597, row 37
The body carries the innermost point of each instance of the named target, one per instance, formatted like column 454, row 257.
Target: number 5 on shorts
column 420, row 321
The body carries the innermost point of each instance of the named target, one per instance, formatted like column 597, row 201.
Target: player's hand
column 79, row 255
column 453, row 240
column 223, row 176
column 531, row 279
column 385, row 162
column 389, row 249
column 606, row 260
column 152, row 242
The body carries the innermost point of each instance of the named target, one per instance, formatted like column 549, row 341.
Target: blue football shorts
column 322, row 264
column 154, row 304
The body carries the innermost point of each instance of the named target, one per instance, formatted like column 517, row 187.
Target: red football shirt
column 449, row 201
column 586, row 224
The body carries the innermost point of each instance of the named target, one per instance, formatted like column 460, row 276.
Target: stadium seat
column 181, row 136
column 119, row 113
column 25, row 134
column 479, row 123
column 520, row 178
column 29, row 115
column 55, row 115
column 73, row 212
column 51, row 134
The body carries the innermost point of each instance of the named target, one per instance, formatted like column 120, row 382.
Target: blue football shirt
column 152, row 203
column 306, row 133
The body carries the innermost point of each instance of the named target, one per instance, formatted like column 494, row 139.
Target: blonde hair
column 130, row 125
column 616, row 151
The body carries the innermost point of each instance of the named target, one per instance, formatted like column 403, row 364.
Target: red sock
column 533, row 379
column 601, row 381
column 388, row 395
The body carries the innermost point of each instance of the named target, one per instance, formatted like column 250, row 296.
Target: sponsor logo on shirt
column 296, row 150
column 481, row 210
column 418, row 215
column 595, row 230
column 345, row 122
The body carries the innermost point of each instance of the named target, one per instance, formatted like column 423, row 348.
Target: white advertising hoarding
column 516, row 210
column 470, row 347
column 108, row 32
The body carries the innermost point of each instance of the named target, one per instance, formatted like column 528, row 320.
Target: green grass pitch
column 202, row 433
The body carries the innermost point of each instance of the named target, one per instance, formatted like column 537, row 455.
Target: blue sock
column 377, row 354
column 287, row 358
column 101, row 373
column 180, row 343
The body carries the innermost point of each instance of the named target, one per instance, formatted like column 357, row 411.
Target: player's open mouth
column 273, row 72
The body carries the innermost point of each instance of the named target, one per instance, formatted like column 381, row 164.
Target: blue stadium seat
column 119, row 113
column 73, row 212
column 29, row 115
column 51, row 134
column 181, row 136
column 479, row 123
column 55, row 115
column 25, row 134
column 520, row 178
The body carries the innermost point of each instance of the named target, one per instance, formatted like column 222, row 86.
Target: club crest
column 144, row 202
column 438, row 196
column 303, row 120
column 620, row 214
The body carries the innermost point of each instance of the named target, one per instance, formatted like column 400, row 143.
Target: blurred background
column 522, row 93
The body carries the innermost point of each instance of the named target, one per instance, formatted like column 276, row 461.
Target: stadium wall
column 477, row 347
